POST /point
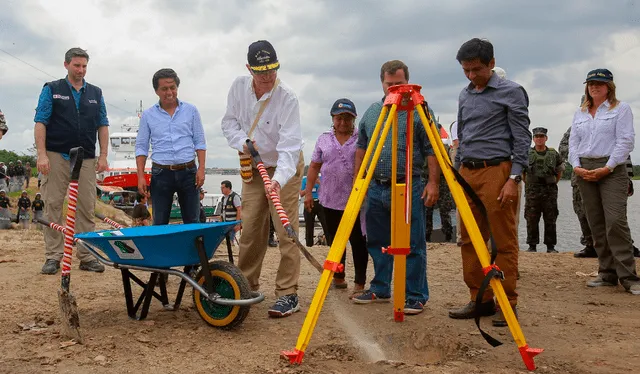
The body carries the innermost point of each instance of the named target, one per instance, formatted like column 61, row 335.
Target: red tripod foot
column 294, row 357
column 528, row 354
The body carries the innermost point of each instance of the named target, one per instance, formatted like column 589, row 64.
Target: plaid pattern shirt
column 421, row 146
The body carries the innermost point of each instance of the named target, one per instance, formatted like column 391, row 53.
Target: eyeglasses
column 265, row 73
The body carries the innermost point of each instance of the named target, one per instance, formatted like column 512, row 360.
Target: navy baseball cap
column 601, row 75
column 343, row 106
column 262, row 56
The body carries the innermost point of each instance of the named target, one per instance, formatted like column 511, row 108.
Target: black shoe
column 586, row 252
column 532, row 248
column 500, row 321
column 50, row 267
column 636, row 251
column 273, row 242
column 469, row 311
column 551, row 249
column 92, row 265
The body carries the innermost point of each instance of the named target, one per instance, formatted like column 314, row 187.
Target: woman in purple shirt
column 334, row 156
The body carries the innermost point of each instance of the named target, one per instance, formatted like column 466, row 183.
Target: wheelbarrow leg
column 128, row 295
column 204, row 263
column 148, row 295
column 229, row 250
column 183, row 283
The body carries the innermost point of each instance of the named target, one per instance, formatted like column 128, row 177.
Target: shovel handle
column 109, row 221
column 76, row 156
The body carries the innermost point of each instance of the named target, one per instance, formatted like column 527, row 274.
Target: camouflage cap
column 539, row 130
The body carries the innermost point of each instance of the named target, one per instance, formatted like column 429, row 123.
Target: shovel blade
column 69, row 316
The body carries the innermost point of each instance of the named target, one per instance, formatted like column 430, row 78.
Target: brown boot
column 469, row 311
column 500, row 321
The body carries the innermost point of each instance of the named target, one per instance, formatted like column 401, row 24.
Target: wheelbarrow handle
column 109, row 221
column 54, row 226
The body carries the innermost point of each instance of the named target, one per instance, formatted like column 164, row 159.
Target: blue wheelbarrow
column 221, row 293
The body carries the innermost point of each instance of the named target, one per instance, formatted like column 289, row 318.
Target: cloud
column 328, row 49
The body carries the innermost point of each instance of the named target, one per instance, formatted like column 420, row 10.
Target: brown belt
column 175, row 167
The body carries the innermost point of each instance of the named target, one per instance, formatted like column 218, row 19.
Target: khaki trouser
column 605, row 205
column 54, row 190
column 255, row 233
column 487, row 184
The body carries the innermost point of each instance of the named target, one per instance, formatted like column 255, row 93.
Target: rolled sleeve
column 199, row 139
column 104, row 121
column 142, row 139
column 290, row 142
column 518, row 119
column 625, row 137
column 45, row 106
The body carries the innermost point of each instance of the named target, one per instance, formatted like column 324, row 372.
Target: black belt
column 387, row 181
column 478, row 164
column 175, row 167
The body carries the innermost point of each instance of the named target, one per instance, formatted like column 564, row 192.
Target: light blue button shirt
column 174, row 139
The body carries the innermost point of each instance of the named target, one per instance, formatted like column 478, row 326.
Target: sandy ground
column 582, row 330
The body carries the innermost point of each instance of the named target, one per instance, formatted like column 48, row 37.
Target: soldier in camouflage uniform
column 445, row 205
column 3, row 125
column 541, row 191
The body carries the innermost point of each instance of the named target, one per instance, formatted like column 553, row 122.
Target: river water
column 568, row 228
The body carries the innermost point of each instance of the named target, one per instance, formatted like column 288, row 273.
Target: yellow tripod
column 405, row 98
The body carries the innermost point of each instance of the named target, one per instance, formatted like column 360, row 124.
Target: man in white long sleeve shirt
column 277, row 136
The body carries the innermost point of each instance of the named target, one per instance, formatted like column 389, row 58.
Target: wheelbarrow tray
column 162, row 246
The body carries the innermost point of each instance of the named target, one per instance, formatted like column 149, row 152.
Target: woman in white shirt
column 602, row 137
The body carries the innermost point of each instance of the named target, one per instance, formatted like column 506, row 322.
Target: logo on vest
column 58, row 96
column 93, row 101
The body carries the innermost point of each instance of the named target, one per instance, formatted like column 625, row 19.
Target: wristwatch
column 516, row 178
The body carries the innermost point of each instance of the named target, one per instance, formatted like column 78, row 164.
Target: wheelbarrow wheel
column 229, row 283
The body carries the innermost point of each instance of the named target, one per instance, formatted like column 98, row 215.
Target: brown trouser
column 255, row 233
column 605, row 205
column 487, row 184
column 54, row 190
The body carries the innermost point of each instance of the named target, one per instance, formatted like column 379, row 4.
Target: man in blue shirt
column 310, row 216
column 174, row 129
column 69, row 114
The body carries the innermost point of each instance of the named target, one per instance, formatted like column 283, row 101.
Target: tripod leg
column 476, row 237
column 351, row 212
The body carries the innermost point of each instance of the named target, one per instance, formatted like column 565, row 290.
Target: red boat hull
column 126, row 181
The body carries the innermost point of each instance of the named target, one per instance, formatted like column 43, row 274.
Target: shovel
column 282, row 214
column 68, row 306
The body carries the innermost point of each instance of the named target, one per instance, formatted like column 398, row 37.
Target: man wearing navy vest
column 70, row 113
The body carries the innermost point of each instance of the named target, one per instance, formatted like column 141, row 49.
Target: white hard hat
column 500, row 71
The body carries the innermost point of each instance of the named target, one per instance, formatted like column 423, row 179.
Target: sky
column 327, row 50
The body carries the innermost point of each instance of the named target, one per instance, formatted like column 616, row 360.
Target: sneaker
column 601, row 282
column 92, row 265
column 412, row 307
column 285, row 306
column 368, row 297
column 551, row 249
column 532, row 248
column 634, row 289
column 50, row 267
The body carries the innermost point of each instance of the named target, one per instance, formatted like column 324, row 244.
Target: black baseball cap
column 343, row 106
column 262, row 56
column 539, row 130
column 602, row 75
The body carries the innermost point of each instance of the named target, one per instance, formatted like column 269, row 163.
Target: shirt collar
column 266, row 95
column 493, row 83
column 157, row 104
column 84, row 83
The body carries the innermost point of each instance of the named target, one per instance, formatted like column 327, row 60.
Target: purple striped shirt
column 337, row 169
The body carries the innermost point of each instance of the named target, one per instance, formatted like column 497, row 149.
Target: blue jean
column 378, row 217
column 164, row 184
